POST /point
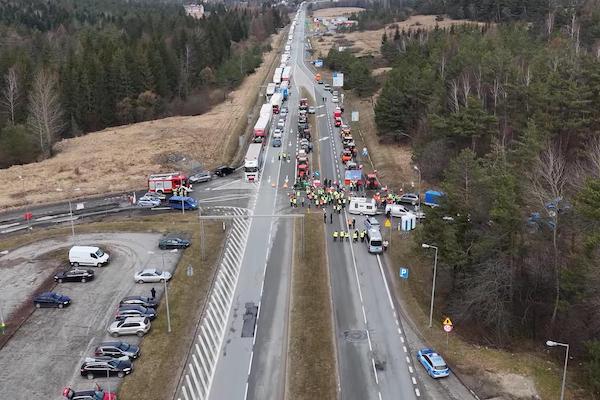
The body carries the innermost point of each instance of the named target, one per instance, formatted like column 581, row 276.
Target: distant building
column 194, row 10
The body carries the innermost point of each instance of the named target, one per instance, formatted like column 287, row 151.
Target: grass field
column 121, row 158
column 311, row 372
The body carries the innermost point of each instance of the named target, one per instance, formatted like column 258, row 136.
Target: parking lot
column 45, row 354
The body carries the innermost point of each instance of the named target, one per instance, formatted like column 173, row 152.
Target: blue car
column 51, row 299
column 433, row 363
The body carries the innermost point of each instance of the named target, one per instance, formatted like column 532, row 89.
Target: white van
column 396, row 210
column 374, row 241
column 362, row 206
column 88, row 255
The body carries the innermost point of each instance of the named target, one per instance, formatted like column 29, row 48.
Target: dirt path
column 120, row 158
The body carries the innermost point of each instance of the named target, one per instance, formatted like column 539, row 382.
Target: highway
column 374, row 359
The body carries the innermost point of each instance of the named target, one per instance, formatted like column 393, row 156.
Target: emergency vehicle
column 166, row 183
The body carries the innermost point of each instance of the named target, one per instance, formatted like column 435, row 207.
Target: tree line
column 357, row 71
column 505, row 119
column 69, row 67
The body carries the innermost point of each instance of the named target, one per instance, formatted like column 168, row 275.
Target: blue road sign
column 404, row 273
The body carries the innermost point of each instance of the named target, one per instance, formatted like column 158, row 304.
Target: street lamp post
column 166, row 296
column 418, row 186
column 428, row 246
column 162, row 254
column 70, row 213
column 551, row 343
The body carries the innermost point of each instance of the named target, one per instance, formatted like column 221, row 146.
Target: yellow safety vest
column 335, row 234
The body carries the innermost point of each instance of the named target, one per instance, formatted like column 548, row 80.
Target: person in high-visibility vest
column 347, row 234
column 355, row 236
column 362, row 235
column 335, row 236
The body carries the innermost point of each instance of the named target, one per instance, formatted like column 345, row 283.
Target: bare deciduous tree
column 488, row 296
column 45, row 110
column 454, row 104
column 466, row 86
column 548, row 180
column 11, row 94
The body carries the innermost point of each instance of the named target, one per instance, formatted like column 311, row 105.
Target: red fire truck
column 166, row 183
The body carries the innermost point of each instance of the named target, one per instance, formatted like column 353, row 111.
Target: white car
column 130, row 326
column 154, row 195
column 334, row 99
column 148, row 202
column 277, row 133
column 151, row 275
column 281, row 123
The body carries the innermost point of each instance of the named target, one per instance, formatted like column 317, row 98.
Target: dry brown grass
column 369, row 42
column 157, row 371
column 311, row 372
column 336, row 11
column 119, row 159
column 392, row 162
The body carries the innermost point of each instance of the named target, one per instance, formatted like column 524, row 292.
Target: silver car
column 130, row 326
column 200, row 177
column 151, row 275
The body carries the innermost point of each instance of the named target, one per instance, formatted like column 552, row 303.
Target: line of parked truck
column 277, row 94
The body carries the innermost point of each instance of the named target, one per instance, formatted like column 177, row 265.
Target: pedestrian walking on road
column 353, row 223
column 331, row 218
column 347, row 236
column 324, row 216
column 303, row 202
column 355, row 236
column 153, row 292
column 362, row 235
column 385, row 245
column 335, row 236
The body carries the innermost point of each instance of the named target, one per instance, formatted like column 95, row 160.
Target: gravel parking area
column 45, row 354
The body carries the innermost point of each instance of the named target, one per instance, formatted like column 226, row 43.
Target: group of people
column 321, row 197
column 346, row 235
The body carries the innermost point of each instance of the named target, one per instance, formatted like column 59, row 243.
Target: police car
column 433, row 363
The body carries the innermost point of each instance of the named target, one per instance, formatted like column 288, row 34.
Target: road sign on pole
column 447, row 328
column 387, row 223
column 355, row 116
column 403, row 273
column 447, row 322
column 338, row 79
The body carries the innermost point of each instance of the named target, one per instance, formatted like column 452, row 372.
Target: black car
column 133, row 310
column 74, row 275
column 51, row 299
column 117, row 349
column 105, row 366
column 224, row 170
column 143, row 301
column 173, row 243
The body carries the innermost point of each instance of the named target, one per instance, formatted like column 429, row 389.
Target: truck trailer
column 276, row 101
column 261, row 128
column 253, row 161
column 277, row 75
column 271, row 87
column 286, row 75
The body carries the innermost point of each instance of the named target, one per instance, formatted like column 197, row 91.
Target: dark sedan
column 74, row 275
column 173, row 243
column 117, row 349
column 132, row 310
column 105, row 366
column 51, row 299
column 143, row 301
column 224, row 171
